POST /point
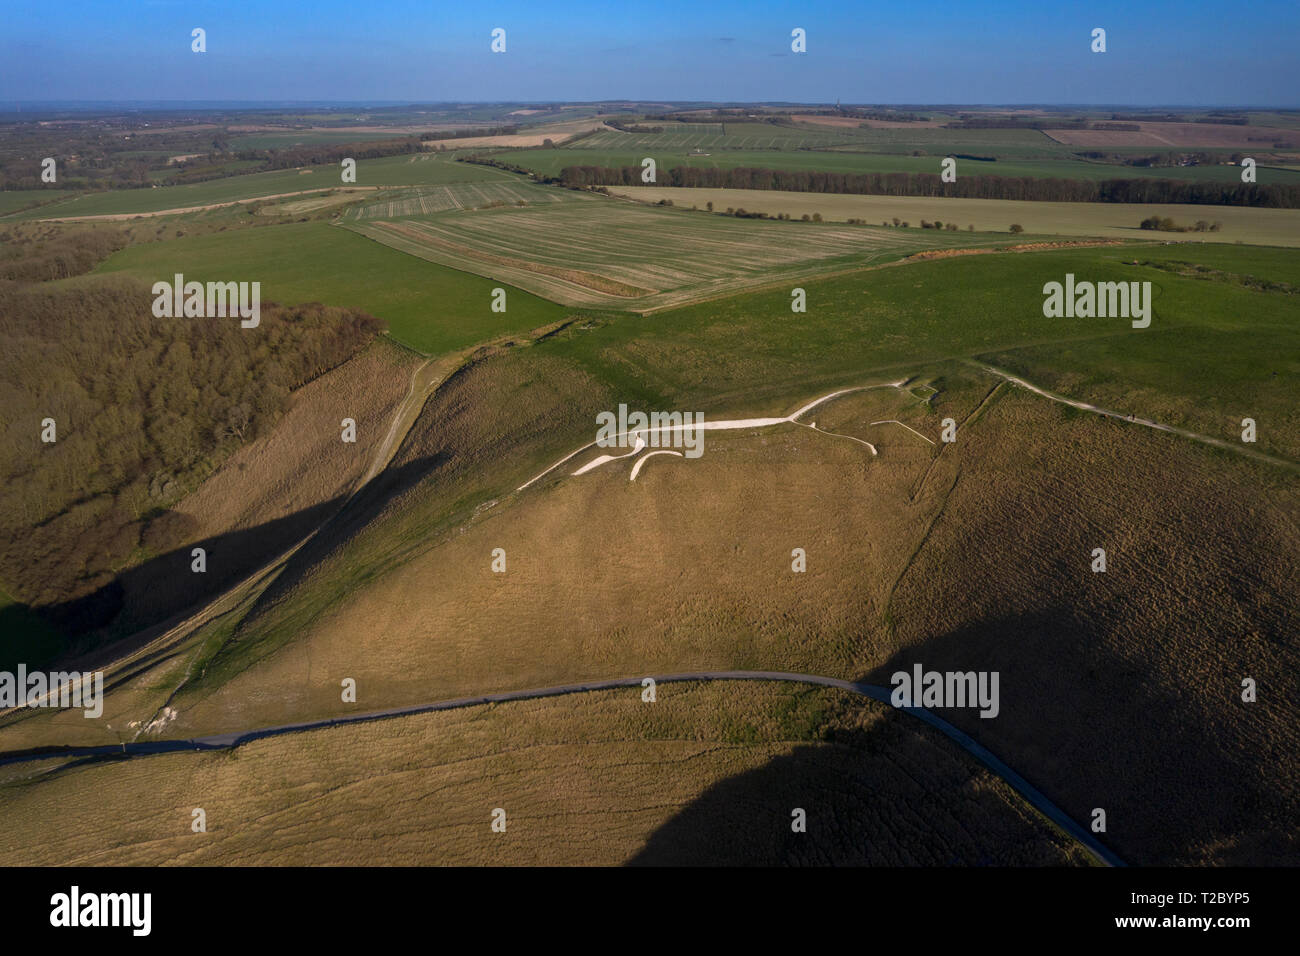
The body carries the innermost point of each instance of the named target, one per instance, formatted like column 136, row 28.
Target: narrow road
column 874, row 691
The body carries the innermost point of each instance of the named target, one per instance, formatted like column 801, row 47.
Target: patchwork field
column 621, row 255
column 1182, row 136
column 420, row 201
column 1254, row 226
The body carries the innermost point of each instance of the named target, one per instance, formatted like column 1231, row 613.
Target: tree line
column 332, row 155
column 143, row 409
column 470, row 132
column 27, row 256
column 632, row 127
column 930, row 184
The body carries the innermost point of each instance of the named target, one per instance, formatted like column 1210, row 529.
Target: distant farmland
column 737, row 136
column 619, row 255
column 549, row 162
column 1027, row 143
column 1256, row 226
column 1181, row 136
column 533, row 136
column 406, row 170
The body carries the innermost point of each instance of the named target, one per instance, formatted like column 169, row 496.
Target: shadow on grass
column 890, row 795
column 1185, row 774
column 164, row 587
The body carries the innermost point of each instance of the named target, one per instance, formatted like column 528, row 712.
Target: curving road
column 874, row 691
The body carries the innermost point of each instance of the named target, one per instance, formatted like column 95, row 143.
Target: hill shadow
column 1093, row 722
column 881, row 796
column 1180, row 783
column 367, row 505
column 166, row 586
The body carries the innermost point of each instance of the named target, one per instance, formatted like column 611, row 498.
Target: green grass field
column 737, row 136
column 427, row 306
column 1273, row 264
column 1215, row 352
column 15, row 199
column 425, row 169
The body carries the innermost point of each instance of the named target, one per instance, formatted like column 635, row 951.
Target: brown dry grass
column 1120, row 690
column 279, row 488
column 708, row 774
column 595, row 586
column 302, row 462
column 973, row 555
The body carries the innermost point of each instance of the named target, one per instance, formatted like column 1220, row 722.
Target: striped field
column 613, row 254
column 431, row 199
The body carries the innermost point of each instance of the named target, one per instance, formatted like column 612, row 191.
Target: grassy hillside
column 594, row 584
column 1213, row 347
column 746, row 356
column 708, row 774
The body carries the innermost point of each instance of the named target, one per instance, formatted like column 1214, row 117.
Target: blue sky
column 1159, row 53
